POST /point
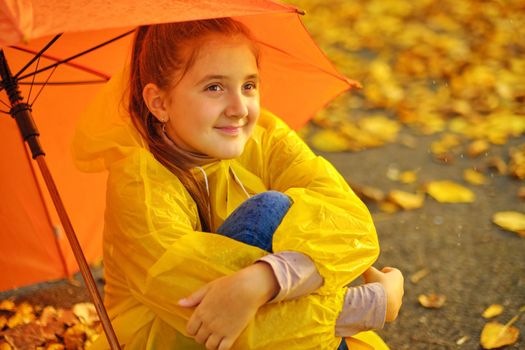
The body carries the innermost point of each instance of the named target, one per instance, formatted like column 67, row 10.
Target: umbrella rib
column 5, row 104
column 56, row 59
column 40, row 53
column 80, row 82
column 42, row 88
column 335, row 75
column 102, row 75
column 33, row 80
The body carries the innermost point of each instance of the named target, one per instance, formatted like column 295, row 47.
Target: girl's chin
column 228, row 153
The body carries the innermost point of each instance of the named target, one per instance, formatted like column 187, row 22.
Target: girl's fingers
column 226, row 344
column 193, row 326
column 213, row 342
column 370, row 274
column 370, row 271
column 195, row 298
column 202, row 335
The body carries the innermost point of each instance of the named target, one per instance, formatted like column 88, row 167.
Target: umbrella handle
column 79, row 255
column 22, row 113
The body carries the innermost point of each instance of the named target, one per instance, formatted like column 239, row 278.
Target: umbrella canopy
column 297, row 80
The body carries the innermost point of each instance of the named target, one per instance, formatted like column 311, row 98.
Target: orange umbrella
column 297, row 81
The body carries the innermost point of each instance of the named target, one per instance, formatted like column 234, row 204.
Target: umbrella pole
column 21, row 112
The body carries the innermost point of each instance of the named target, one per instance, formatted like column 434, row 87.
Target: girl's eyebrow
column 225, row 77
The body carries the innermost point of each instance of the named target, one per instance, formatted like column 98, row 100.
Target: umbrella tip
column 354, row 84
column 299, row 11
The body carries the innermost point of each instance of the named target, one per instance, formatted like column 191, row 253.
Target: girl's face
column 212, row 110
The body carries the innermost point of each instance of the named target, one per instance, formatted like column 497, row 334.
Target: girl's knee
column 273, row 198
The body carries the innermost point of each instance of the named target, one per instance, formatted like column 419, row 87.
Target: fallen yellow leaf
column 449, row 192
column 408, row 177
column 407, row 200
column 7, row 305
column 432, row 301
column 511, row 221
column 462, row 340
column 458, row 125
column 369, row 192
column 495, row 335
column 445, row 144
column 388, row 207
column 392, row 173
column 329, row 141
column 474, row 177
column 380, row 126
column 74, row 336
column 477, row 147
column 24, row 315
column 86, row 313
column 419, row 275
column 492, row 311
column 517, row 162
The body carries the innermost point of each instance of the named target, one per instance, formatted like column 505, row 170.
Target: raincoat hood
column 105, row 132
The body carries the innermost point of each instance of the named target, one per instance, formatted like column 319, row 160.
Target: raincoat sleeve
column 327, row 221
column 152, row 242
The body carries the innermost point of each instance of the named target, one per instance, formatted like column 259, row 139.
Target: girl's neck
column 195, row 159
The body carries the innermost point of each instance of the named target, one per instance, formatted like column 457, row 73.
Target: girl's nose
column 237, row 106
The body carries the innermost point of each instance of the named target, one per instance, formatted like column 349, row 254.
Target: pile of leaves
column 434, row 65
column 29, row 327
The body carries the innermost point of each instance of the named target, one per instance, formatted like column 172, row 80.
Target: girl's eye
column 250, row 86
column 214, row 87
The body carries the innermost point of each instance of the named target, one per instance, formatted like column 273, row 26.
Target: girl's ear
column 154, row 99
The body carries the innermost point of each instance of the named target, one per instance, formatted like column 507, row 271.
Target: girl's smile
column 230, row 130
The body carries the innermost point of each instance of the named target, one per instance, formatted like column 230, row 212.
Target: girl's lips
column 229, row 130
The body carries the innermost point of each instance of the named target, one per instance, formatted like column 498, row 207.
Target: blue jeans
column 255, row 221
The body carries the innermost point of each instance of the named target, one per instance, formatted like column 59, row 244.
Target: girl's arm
column 366, row 306
column 327, row 222
column 224, row 307
column 217, row 326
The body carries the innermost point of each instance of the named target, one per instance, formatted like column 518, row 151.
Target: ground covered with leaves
column 434, row 143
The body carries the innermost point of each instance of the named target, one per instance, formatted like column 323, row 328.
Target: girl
column 222, row 229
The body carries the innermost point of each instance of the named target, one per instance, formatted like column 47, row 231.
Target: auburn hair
column 162, row 54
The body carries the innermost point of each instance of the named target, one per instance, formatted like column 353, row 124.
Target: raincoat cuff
column 364, row 309
column 296, row 274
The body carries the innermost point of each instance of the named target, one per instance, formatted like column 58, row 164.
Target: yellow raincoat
column 155, row 253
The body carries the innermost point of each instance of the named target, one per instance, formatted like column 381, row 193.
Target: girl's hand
column 392, row 280
column 225, row 306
